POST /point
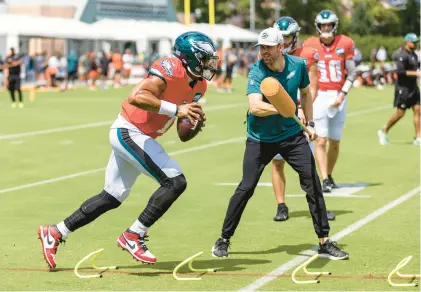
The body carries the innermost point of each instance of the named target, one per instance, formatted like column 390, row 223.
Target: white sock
column 63, row 229
column 138, row 228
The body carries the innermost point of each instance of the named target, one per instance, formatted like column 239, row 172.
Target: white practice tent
column 142, row 32
column 133, row 30
column 225, row 32
column 38, row 26
column 114, row 29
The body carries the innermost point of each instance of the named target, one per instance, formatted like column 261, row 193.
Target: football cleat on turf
column 330, row 250
column 282, row 213
column 50, row 239
column 383, row 138
column 330, row 216
column 332, row 182
column 326, row 186
column 220, row 249
column 135, row 245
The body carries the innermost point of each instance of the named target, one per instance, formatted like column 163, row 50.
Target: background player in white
column 290, row 30
column 336, row 71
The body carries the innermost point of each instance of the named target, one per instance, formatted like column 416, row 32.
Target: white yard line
column 333, row 195
column 344, row 190
column 370, row 110
column 66, row 142
column 55, row 130
column 259, row 283
column 106, row 123
column 52, row 180
column 17, row 142
column 100, row 124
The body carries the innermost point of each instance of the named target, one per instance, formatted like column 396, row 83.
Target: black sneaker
column 326, row 186
column 329, row 250
column 330, row 216
column 220, row 249
column 282, row 213
column 332, row 182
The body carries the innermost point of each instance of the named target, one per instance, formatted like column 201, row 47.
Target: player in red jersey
column 171, row 89
column 290, row 31
column 336, row 72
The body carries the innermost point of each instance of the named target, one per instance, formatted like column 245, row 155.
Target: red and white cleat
column 50, row 239
column 135, row 245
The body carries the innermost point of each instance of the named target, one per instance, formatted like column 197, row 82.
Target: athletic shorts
column 406, row 97
column 326, row 124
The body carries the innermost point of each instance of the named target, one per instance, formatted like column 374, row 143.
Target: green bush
column 366, row 43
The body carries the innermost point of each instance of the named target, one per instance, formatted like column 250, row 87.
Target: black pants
column 14, row 85
column 296, row 152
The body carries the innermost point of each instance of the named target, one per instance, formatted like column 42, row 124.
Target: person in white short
column 290, row 29
column 336, row 71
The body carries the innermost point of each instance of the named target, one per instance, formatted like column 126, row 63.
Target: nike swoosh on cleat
column 48, row 237
column 128, row 243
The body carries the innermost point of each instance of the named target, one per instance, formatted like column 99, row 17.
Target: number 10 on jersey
column 330, row 70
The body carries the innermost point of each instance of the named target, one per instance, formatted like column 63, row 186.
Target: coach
column 407, row 92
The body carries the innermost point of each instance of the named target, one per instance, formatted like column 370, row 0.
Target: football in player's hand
column 187, row 131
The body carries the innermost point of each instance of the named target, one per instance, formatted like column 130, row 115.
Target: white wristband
column 347, row 86
column 168, row 108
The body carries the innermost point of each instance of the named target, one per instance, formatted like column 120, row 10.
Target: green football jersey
column 276, row 128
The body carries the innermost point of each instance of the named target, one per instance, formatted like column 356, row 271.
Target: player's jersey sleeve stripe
column 140, row 155
column 156, row 73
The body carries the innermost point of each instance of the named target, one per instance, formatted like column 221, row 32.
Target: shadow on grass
column 290, row 249
column 306, row 213
column 224, row 264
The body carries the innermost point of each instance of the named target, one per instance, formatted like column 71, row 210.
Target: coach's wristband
column 168, row 108
column 347, row 86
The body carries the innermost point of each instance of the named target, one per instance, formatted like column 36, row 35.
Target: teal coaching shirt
column 276, row 128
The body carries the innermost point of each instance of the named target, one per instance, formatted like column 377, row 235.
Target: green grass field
column 194, row 222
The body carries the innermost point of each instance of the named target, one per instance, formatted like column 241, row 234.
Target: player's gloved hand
column 313, row 135
column 339, row 99
column 301, row 116
column 192, row 111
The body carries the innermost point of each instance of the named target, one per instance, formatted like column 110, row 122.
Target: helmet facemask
column 289, row 28
column 291, row 45
column 206, row 67
column 209, row 68
column 197, row 53
column 325, row 34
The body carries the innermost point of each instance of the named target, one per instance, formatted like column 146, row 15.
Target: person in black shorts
column 407, row 92
column 12, row 76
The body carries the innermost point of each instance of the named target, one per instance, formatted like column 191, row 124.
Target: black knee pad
column 162, row 199
column 170, row 190
column 179, row 184
column 100, row 203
